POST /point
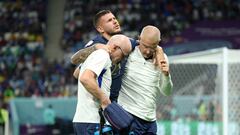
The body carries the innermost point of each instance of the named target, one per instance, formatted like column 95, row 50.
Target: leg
column 142, row 127
column 136, row 128
column 85, row 128
column 152, row 128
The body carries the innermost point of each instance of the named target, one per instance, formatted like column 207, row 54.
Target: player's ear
column 139, row 37
column 100, row 29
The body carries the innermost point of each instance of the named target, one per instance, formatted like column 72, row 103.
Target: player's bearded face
column 110, row 24
column 113, row 29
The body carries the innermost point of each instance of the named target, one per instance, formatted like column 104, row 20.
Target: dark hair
column 99, row 15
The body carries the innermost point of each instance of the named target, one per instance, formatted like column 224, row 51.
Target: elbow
column 87, row 78
column 84, row 79
column 75, row 76
column 76, row 73
column 73, row 61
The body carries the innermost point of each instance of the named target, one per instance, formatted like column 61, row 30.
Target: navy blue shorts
column 85, row 128
column 142, row 127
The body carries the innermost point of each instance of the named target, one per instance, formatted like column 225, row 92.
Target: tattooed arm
column 76, row 73
column 81, row 55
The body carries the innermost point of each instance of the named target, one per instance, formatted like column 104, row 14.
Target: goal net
column 206, row 95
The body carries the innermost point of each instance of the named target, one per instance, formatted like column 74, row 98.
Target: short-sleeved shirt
column 98, row 62
column 117, row 70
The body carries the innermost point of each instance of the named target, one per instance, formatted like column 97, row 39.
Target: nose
column 115, row 21
column 148, row 51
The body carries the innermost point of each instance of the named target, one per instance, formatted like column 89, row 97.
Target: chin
column 118, row 32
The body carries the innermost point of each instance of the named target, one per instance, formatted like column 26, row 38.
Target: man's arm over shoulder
column 81, row 55
column 94, row 44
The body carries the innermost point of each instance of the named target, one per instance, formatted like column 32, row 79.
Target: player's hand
column 160, row 61
column 105, row 101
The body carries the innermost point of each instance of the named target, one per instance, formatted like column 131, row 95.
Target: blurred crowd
column 24, row 70
column 170, row 16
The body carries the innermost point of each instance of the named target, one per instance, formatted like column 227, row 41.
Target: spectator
column 3, row 119
column 202, row 111
column 49, row 117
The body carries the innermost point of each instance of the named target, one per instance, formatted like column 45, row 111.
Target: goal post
column 206, row 94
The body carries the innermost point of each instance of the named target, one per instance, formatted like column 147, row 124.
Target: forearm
column 81, row 55
column 166, row 85
column 92, row 87
column 88, row 80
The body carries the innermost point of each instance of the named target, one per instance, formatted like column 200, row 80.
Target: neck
column 106, row 36
column 109, row 35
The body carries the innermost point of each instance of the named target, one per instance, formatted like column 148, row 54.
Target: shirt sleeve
column 90, row 43
column 97, row 39
column 166, row 84
column 98, row 61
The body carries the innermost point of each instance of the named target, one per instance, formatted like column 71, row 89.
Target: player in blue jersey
column 107, row 25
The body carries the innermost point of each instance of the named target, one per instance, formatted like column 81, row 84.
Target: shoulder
column 97, row 58
column 96, row 39
column 134, row 43
column 101, row 53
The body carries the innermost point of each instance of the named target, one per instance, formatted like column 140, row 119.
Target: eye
column 115, row 47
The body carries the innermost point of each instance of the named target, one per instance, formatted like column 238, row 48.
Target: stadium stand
column 24, row 68
column 172, row 17
column 22, row 44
